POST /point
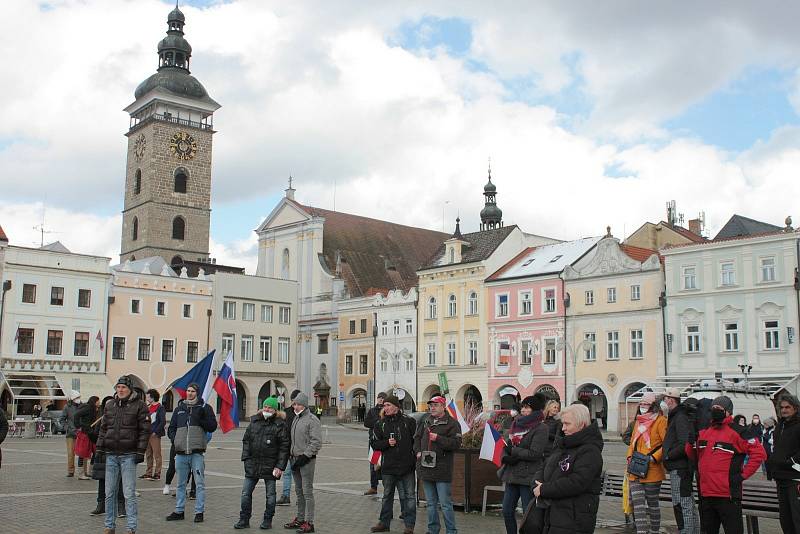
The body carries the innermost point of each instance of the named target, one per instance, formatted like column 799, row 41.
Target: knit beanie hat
column 724, row 402
column 272, row 402
column 391, row 399
column 301, row 399
column 126, row 381
column 535, row 401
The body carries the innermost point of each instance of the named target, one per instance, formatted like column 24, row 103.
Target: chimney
column 696, row 226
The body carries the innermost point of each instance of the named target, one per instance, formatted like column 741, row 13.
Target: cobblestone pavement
column 35, row 497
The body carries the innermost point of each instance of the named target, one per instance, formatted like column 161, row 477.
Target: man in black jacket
column 3, row 431
column 679, row 433
column 265, row 451
column 393, row 435
column 285, row 500
column 784, row 463
column 369, row 421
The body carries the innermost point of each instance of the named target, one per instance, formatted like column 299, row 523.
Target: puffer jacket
column 306, row 435
column 655, row 471
column 527, row 457
column 400, row 459
column 449, row 439
column 572, row 481
column 679, row 433
column 785, row 449
column 68, row 419
column 84, row 416
column 125, row 427
column 265, row 446
column 189, row 425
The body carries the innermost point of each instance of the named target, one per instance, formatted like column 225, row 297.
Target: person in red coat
column 720, row 451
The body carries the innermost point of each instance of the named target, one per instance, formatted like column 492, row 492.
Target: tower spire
column 491, row 215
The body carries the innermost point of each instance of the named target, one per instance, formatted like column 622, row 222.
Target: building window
column 118, row 348
column 322, row 343
column 612, row 352
column 143, row 353
column 227, row 343
column 178, row 228
column 767, row 269
column 192, row 351
column 248, row 311
column 452, row 255
column 283, row 350
column 364, row 326
column 525, row 349
column 550, row 351
column 612, row 295
column 409, row 365
column 167, row 350
column 187, row 311
column 472, row 303
column 636, row 292
column 451, row 353
column 771, row 333
column 396, row 327
column 502, row 305
column 432, row 308
column 54, row 339
column 409, row 326
column 431, row 354
column 29, row 293
column 590, row 350
column 689, row 278
column 81, row 344
column 266, row 313
column 265, row 349
column 731, row 331
column 136, row 306
column 180, row 181
column 637, row 344
column 135, row 230
column 137, row 182
column 161, row 308
column 247, row 349
column 693, row 338
column 228, row 309
column 348, row 364
column 589, row 297
column 362, row 364
column 284, row 314
column 352, row 326
column 525, row 303
column 452, row 306
column 727, row 274
column 285, row 264
column 472, row 353
column 25, row 340
column 549, row 300
column 56, row 296
column 84, row 298
column 384, row 364
column 384, row 328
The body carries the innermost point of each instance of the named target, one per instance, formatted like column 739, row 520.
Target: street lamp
column 563, row 344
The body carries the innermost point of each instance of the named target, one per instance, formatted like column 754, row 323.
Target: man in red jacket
column 720, row 451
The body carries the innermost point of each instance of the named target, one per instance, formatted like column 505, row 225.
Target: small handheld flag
column 452, row 409
column 492, row 446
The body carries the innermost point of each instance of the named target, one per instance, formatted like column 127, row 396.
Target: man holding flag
column 225, row 386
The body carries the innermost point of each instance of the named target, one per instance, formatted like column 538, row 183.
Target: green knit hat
column 272, row 402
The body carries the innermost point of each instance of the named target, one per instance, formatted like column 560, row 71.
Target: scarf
column 642, row 426
column 153, row 407
column 524, row 424
column 191, row 403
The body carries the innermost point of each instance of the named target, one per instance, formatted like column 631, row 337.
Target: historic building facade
column 356, row 355
column 167, row 205
column 396, row 349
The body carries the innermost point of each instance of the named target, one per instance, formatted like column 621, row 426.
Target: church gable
column 285, row 213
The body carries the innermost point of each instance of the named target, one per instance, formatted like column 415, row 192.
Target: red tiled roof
column 691, row 236
column 373, row 253
column 638, row 253
column 3, row 235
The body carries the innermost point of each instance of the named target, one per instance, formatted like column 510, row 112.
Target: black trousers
column 789, row 505
column 716, row 511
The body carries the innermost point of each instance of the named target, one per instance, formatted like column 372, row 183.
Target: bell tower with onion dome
column 167, row 208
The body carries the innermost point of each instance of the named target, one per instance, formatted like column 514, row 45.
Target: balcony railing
column 169, row 118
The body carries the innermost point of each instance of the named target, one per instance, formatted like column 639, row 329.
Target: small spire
column 788, row 222
column 457, row 233
column 490, row 169
column 290, row 190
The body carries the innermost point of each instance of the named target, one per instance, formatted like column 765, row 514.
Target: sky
column 593, row 114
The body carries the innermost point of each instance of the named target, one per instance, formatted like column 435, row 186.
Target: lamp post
column 563, row 344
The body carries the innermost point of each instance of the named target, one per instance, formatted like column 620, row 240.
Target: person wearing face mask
column 306, row 442
column 265, row 451
column 755, row 429
column 679, row 433
column 649, row 430
column 719, row 453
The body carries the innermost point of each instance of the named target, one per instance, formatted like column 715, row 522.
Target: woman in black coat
column 99, row 465
column 570, row 482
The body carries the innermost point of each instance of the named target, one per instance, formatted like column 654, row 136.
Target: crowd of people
column 551, row 463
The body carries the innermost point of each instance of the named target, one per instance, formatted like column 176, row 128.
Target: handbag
column 84, row 448
column 639, row 463
column 533, row 520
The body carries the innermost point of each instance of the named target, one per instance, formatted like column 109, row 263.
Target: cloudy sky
column 593, row 113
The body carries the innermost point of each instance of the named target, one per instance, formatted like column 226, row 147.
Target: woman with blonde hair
column 645, row 470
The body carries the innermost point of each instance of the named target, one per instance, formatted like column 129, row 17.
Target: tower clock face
column 139, row 147
column 183, row 145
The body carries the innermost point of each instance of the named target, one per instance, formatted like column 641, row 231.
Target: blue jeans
column 287, row 480
column 247, row 498
column 183, row 463
column 124, row 466
column 438, row 493
column 408, row 499
column 513, row 493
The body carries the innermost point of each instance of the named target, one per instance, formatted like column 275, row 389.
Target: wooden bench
column 759, row 498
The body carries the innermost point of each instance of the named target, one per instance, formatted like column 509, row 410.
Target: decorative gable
column 608, row 258
column 286, row 213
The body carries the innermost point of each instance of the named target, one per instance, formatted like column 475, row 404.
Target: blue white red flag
column 452, row 409
column 199, row 374
column 225, row 386
column 492, row 446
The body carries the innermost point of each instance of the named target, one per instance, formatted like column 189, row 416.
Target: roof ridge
column 307, row 208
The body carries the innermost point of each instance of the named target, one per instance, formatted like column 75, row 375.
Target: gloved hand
column 300, row 461
column 506, row 460
column 139, row 457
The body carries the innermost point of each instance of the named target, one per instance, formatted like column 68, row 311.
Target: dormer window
column 452, row 255
column 555, row 259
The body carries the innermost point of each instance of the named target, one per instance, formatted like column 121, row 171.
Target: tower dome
column 491, row 215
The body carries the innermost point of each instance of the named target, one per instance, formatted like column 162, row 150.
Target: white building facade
column 396, row 368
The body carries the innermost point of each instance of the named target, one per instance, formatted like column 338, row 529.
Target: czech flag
column 492, row 446
column 225, row 386
column 452, row 409
column 374, row 456
column 200, row 374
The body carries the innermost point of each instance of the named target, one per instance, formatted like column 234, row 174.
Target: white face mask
column 642, row 410
column 298, row 412
column 267, row 415
column 664, row 407
column 514, row 413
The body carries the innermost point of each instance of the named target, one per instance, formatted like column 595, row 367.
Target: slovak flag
column 374, row 456
column 99, row 337
column 492, row 446
column 452, row 409
column 225, row 386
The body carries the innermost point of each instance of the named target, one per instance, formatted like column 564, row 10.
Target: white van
column 746, row 401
